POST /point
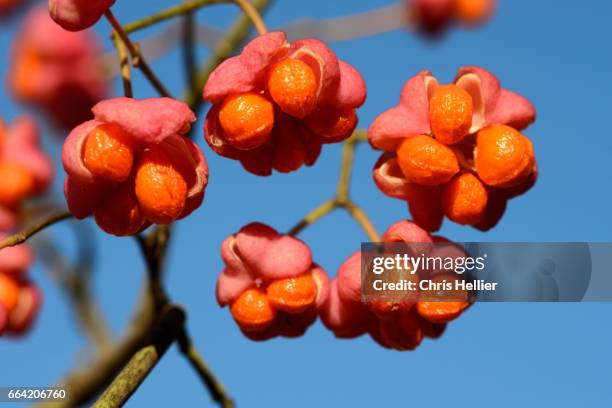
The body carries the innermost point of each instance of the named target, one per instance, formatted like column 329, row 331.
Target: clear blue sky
column 557, row 53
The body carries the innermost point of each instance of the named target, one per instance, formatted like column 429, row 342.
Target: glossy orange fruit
column 464, row 199
column 293, row 86
column 503, row 157
column 247, row 120
column 161, row 189
column 424, row 160
column 253, row 311
column 450, row 113
column 293, row 295
column 108, row 152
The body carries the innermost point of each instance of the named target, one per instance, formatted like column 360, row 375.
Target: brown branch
column 313, row 216
column 23, row 236
column 236, row 36
column 74, row 280
column 342, row 198
column 137, row 59
column 84, row 383
column 124, row 63
column 163, row 334
column 217, row 392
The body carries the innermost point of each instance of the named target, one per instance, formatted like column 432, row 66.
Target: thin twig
column 248, row 9
column 363, row 220
column 137, row 59
column 342, row 198
column 189, row 49
column 319, row 212
column 189, row 6
column 124, row 63
column 74, row 280
column 237, row 34
column 217, row 392
column 24, row 235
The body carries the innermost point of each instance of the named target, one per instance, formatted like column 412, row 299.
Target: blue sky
column 556, row 54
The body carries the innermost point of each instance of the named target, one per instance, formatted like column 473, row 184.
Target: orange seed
column 27, row 68
column 16, row 184
column 441, row 306
column 424, row 160
column 247, row 120
column 450, row 113
column 503, row 157
column 161, row 190
column 108, row 152
column 253, row 311
column 473, row 12
column 464, row 199
column 293, row 295
column 293, row 86
column 9, row 292
column 120, row 214
column 332, row 124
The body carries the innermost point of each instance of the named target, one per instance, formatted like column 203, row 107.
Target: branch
column 189, row 49
column 124, row 63
column 363, row 220
column 189, row 6
column 313, row 216
column 342, row 198
column 84, row 383
column 237, row 34
column 24, row 235
column 137, row 59
column 217, row 392
column 144, row 360
column 74, row 281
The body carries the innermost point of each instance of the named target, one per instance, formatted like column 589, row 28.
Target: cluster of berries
column 24, row 170
column 24, row 173
column 20, row 299
column 273, row 288
column 452, row 150
column 276, row 103
column 132, row 166
column 433, row 16
column 456, row 149
column 49, row 66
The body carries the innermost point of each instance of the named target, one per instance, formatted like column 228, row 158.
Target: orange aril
column 402, row 333
column 386, row 310
column 441, row 312
column 503, row 156
column 25, row 72
column 108, row 152
column 253, row 311
column 120, row 214
column 441, row 306
column 473, row 12
column 9, row 292
column 16, row 184
column 2, row 134
column 333, row 124
column 247, row 120
column 293, row 295
column 464, row 199
column 424, row 160
column 161, row 190
column 450, row 113
column 293, row 86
